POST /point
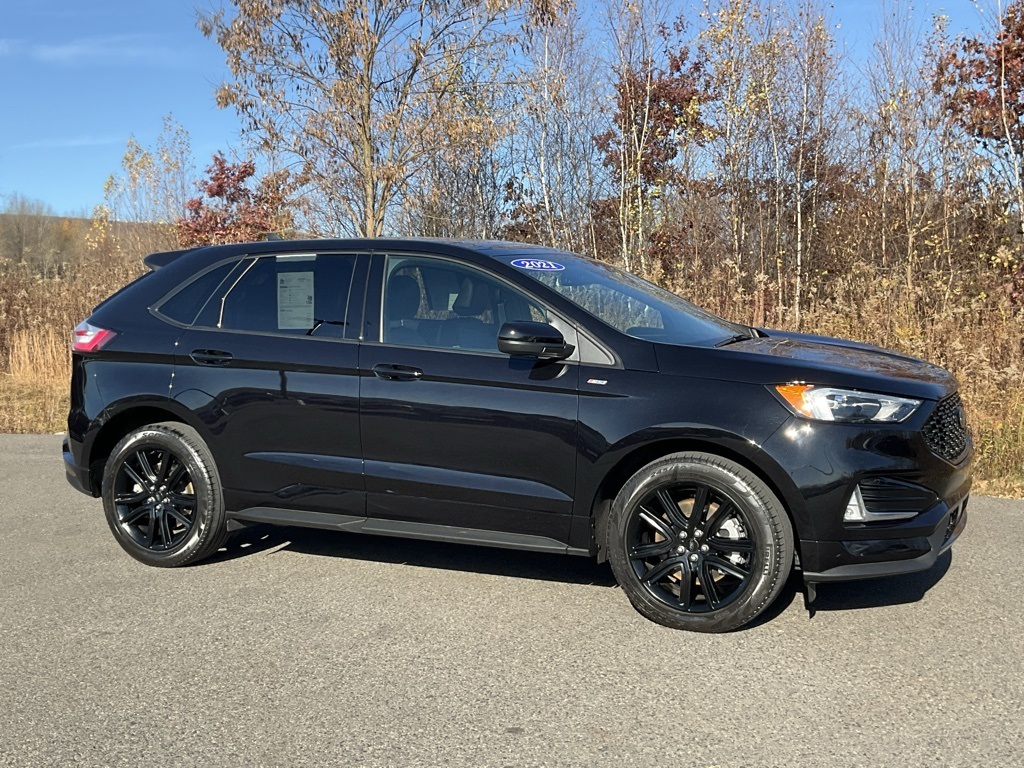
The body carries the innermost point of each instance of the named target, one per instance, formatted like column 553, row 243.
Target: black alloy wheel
column 162, row 496
column 691, row 548
column 154, row 497
column 699, row 542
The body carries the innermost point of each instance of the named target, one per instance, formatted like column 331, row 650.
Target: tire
column 162, row 496
column 708, row 572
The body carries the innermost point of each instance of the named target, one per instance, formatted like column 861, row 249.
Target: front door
column 453, row 431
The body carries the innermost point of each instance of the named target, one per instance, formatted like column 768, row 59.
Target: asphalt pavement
column 299, row 647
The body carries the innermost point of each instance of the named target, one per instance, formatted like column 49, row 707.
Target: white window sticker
column 295, row 300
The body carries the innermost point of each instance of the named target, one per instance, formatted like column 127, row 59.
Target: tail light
column 90, row 338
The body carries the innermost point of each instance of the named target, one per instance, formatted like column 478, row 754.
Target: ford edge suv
column 514, row 396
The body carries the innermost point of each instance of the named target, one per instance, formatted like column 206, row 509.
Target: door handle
column 211, row 357
column 397, row 372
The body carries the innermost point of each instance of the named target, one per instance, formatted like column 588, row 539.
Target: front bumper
column 885, row 557
column 917, row 498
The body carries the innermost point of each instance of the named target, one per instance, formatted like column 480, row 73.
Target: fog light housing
column 857, row 511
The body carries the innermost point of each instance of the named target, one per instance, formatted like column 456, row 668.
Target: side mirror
column 530, row 339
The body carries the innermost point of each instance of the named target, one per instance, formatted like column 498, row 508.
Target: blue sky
column 78, row 77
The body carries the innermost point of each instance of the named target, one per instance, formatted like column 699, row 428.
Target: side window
column 301, row 295
column 437, row 303
column 184, row 304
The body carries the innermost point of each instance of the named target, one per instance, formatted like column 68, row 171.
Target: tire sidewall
column 209, row 499
column 761, row 510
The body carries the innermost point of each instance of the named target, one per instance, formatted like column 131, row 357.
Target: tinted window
column 302, row 295
column 185, row 304
column 626, row 302
column 437, row 303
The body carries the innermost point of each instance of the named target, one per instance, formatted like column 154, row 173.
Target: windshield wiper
column 737, row 337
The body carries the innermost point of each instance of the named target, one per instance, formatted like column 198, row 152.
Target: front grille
column 946, row 429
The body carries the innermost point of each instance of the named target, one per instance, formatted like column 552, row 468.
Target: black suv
column 514, row 396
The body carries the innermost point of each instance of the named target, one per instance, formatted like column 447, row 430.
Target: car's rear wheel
column 162, row 496
column 698, row 542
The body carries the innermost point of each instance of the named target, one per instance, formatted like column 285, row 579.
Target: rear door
column 271, row 367
column 454, row 432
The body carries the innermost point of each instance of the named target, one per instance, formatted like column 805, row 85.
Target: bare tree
column 812, row 84
column 148, row 195
column 458, row 190
column 558, row 171
column 727, row 42
column 359, row 94
column 26, row 232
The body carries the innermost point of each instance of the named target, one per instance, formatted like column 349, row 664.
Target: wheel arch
column 123, row 419
column 763, row 466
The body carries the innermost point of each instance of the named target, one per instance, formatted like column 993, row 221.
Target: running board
column 404, row 529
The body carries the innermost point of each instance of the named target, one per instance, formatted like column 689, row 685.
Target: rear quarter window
column 131, row 287
column 184, row 303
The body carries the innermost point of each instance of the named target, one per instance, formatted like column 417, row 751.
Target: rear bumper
column 886, row 557
column 77, row 476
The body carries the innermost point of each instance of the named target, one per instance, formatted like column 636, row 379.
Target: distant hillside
column 47, row 245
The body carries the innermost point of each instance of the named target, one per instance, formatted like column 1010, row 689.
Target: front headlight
column 849, row 405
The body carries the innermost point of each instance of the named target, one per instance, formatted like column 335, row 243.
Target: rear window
column 294, row 294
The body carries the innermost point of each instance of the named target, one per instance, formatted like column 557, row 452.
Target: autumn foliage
column 657, row 109
column 730, row 152
column 984, row 82
column 230, row 210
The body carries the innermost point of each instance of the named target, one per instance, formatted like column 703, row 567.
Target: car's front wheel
column 162, row 496
column 699, row 542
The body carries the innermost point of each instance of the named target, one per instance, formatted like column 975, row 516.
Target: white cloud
column 70, row 142
column 111, row 48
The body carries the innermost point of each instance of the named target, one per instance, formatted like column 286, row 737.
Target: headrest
column 474, row 298
column 403, row 299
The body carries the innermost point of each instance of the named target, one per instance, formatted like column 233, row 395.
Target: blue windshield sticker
column 538, row 264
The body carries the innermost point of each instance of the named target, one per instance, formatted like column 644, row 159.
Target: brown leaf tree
column 983, row 84
column 230, row 210
column 355, row 95
column 659, row 93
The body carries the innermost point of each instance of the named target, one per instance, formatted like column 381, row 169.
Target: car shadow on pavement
column 876, row 593
column 855, row 595
column 792, row 591
column 267, row 539
column 542, row 566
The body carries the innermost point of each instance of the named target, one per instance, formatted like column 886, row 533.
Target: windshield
column 627, row 303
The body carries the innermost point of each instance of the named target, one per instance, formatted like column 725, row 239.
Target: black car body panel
column 637, row 410
column 493, row 447
column 472, row 445
column 287, row 414
column 778, row 359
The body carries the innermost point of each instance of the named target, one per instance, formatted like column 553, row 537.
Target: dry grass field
column 978, row 338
